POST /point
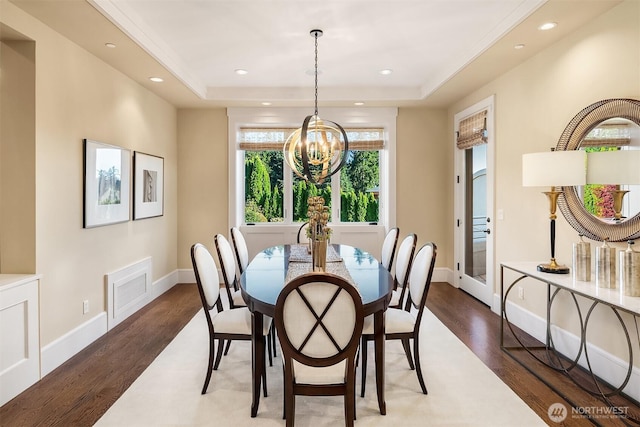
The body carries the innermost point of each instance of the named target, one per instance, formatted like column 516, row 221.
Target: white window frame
column 292, row 117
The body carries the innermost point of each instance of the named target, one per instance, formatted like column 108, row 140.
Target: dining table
column 272, row 268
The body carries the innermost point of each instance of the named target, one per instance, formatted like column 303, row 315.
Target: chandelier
column 319, row 148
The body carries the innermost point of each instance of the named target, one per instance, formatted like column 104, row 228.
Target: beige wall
column 424, row 179
column 534, row 103
column 78, row 96
column 17, row 157
column 204, row 179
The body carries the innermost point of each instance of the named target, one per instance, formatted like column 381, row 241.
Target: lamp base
column 553, row 268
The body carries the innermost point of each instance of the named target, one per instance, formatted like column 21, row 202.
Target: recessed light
column 547, row 26
column 266, row 104
column 110, row 45
column 241, row 72
column 519, row 46
column 358, row 103
column 386, row 72
column 156, row 79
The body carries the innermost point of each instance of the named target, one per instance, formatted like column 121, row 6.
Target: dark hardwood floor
column 83, row 388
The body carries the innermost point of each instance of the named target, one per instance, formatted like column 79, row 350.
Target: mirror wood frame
column 571, row 205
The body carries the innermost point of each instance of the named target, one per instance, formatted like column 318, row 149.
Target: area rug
column 462, row 390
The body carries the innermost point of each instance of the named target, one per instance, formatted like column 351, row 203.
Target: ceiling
column 438, row 50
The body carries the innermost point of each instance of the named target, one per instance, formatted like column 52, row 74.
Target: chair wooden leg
column 264, row 380
column 416, row 350
column 219, row 353
column 349, row 404
column 407, row 351
column 363, row 349
column 290, row 404
column 353, row 394
column 226, row 350
column 284, row 397
column 269, row 349
column 273, row 340
column 209, row 366
column 264, row 383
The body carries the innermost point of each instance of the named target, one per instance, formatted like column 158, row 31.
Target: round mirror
column 593, row 129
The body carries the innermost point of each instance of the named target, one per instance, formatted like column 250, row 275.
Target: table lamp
column 553, row 169
column 619, row 167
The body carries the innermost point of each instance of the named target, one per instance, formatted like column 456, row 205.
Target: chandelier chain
column 316, row 74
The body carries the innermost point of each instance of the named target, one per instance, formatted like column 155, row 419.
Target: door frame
column 487, row 295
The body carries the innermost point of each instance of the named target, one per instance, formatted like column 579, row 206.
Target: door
column 474, row 231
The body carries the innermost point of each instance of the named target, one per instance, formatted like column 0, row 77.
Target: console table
column 555, row 283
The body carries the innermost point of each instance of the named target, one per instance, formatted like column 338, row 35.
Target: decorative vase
column 319, row 255
column 582, row 260
column 630, row 271
column 606, row 266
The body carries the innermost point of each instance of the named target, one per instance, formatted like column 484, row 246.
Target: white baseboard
column 59, row 351
column 62, row 349
column 186, row 275
column 165, row 283
column 610, row 368
column 442, row 275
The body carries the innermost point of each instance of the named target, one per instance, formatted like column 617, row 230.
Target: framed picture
column 107, row 183
column 148, row 185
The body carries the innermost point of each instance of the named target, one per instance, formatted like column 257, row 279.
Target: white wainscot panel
column 19, row 334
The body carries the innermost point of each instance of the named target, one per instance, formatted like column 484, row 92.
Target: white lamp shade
column 613, row 167
column 554, row 168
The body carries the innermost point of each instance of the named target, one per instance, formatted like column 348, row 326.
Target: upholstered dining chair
column 241, row 249
column 232, row 324
column 319, row 319
column 227, row 262
column 389, row 248
column 404, row 258
column 242, row 255
column 404, row 324
column 228, row 267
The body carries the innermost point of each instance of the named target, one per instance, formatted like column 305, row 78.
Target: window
column 265, row 194
column 265, row 190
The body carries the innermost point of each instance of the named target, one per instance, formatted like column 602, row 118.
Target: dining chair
column 241, row 249
column 404, row 258
column 302, row 233
column 389, row 248
column 319, row 318
column 404, row 324
column 242, row 255
column 227, row 262
column 228, row 267
column 231, row 324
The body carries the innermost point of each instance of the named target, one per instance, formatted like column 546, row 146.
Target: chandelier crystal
column 319, row 148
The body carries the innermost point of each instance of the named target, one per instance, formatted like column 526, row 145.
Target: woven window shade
column 608, row 135
column 263, row 139
column 268, row 139
column 472, row 131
